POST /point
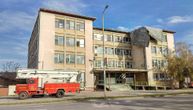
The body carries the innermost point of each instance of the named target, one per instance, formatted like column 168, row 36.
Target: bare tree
column 180, row 64
column 10, row 66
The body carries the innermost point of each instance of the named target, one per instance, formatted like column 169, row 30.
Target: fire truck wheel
column 60, row 93
column 23, row 95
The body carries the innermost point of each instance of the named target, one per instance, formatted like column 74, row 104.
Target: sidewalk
column 85, row 95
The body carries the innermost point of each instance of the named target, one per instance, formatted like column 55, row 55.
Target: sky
column 17, row 18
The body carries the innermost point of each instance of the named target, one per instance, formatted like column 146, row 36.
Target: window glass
column 108, row 38
column 128, row 64
column 109, row 51
column 98, row 37
column 59, row 23
column 98, row 63
column 70, row 41
column 80, row 26
column 99, row 49
column 70, row 58
column 80, row 42
column 80, row 59
column 70, row 24
column 59, row 58
column 164, row 38
column 153, row 49
column 110, row 63
column 59, row 40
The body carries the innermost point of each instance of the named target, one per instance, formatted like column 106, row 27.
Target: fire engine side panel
column 52, row 88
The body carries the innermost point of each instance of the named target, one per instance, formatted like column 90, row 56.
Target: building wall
column 46, row 41
column 47, row 47
column 112, row 44
column 154, row 72
column 89, row 54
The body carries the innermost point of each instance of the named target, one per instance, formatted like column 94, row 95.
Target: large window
column 70, row 25
column 80, row 59
column 98, row 49
column 127, row 52
column 153, row 49
column 70, row 58
column 98, row 63
column 59, row 40
column 128, row 64
column 118, row 39
column 164, row 38
column 80, row 42
column 109, row 51
column 59, row 23
column 98, row 37
column 110, row 63
column 80, row 26
column 59, row 58
column 118, row 51
column 108, row 38
column 70, row 41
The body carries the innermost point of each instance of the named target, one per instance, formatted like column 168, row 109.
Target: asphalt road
column 180, row 102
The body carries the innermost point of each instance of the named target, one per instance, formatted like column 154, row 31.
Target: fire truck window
column 29, row 81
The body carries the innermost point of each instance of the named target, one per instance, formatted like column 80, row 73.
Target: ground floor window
column 160, row 76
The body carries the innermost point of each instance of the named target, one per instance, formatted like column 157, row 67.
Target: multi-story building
column 65, row 41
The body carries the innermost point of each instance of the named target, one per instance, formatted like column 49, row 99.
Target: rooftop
column 66, row 13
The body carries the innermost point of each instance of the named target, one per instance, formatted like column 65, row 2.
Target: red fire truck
column 42, row 82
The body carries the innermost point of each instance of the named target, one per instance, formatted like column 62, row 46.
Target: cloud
column 14, row 20
column 122, row 28
column 175, row 20
column 75, row 6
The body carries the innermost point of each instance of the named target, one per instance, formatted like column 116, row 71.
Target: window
column 160, row 50
column 80, row 42
column 80, row 59
column 59, row 23
column 110, row 63
column 118, row 39
column 154, row 63
column 98, row 63
column 155, row 76
column 153, row 49
column 70, row 41
column 118, row 51
column 59, row 40
column 127, row 52
column 70, row 58
column 120, row 64
column 80, row 26
column 128, row 65
column 59, row 58
column 70, row 25
column 109, row 51
column 165, row 51
column 99, row 49
column 98, row 37
column 164, row 38
column 108, row 38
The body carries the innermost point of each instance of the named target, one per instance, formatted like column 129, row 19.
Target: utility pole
column 104, row 65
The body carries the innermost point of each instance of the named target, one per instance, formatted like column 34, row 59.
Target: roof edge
column 111, row 30
column 65, row 13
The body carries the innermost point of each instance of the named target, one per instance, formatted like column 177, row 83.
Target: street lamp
column 104, row 72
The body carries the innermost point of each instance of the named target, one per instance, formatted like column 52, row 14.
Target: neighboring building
column 64, row 41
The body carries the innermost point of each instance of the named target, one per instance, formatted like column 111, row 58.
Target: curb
column 101, row 97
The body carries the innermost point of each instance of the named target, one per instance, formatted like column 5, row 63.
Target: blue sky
column 17, row 18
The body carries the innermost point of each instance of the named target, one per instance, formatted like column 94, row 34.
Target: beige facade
column 64, row 41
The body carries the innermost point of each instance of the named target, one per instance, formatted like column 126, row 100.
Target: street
column 180, row 102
